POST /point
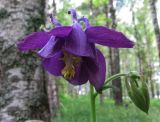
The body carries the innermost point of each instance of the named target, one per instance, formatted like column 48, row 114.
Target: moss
column 3, row 14
column 34, row 23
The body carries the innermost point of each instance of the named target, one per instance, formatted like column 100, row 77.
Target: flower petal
column 108, row 37
column 33, row 41
column 81, row 75
column 53, row 45
column 77, row 43
column 61, row 31
column 97, row 70
column 54, row 65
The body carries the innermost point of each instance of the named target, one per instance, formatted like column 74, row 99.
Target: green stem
column 110, row 79
column 114, row 77
column 93, row 109
column 93, row 95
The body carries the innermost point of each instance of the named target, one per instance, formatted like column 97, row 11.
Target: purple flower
column 70, row 52
column 66, row 52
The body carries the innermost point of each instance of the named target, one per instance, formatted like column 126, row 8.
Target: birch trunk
column 23, row 93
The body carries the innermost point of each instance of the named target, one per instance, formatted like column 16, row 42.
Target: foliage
column 78, row 110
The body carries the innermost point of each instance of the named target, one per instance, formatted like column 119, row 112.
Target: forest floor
column 78, row 110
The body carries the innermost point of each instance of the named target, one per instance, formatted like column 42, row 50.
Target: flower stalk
column 114, row 77
column 93, row 106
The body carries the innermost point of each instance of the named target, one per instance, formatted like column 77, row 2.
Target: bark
column 23, row 93
column 53, row 96
column 157, row 90
column 115, row 68
column 115, row 61
column 155, row 24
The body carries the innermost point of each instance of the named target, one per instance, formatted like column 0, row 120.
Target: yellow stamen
column 70, row 62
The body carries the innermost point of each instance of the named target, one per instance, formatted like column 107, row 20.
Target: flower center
column 70, row 62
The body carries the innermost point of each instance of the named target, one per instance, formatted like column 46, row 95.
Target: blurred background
column 27, row 92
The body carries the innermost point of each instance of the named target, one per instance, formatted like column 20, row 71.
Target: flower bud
column 144, row 90
column 138, row 91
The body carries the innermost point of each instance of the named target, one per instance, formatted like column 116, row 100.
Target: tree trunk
column 157, row 90
column 155, row 24
column 53, row 96
column 115, row 61
column 152, row 89
column 115, row 68
column 23, row 91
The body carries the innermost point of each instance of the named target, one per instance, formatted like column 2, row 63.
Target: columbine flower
column 77, row 69
column 66, row 52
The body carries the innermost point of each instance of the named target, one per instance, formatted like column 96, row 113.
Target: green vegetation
column 4, row 14
column 77, row 109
